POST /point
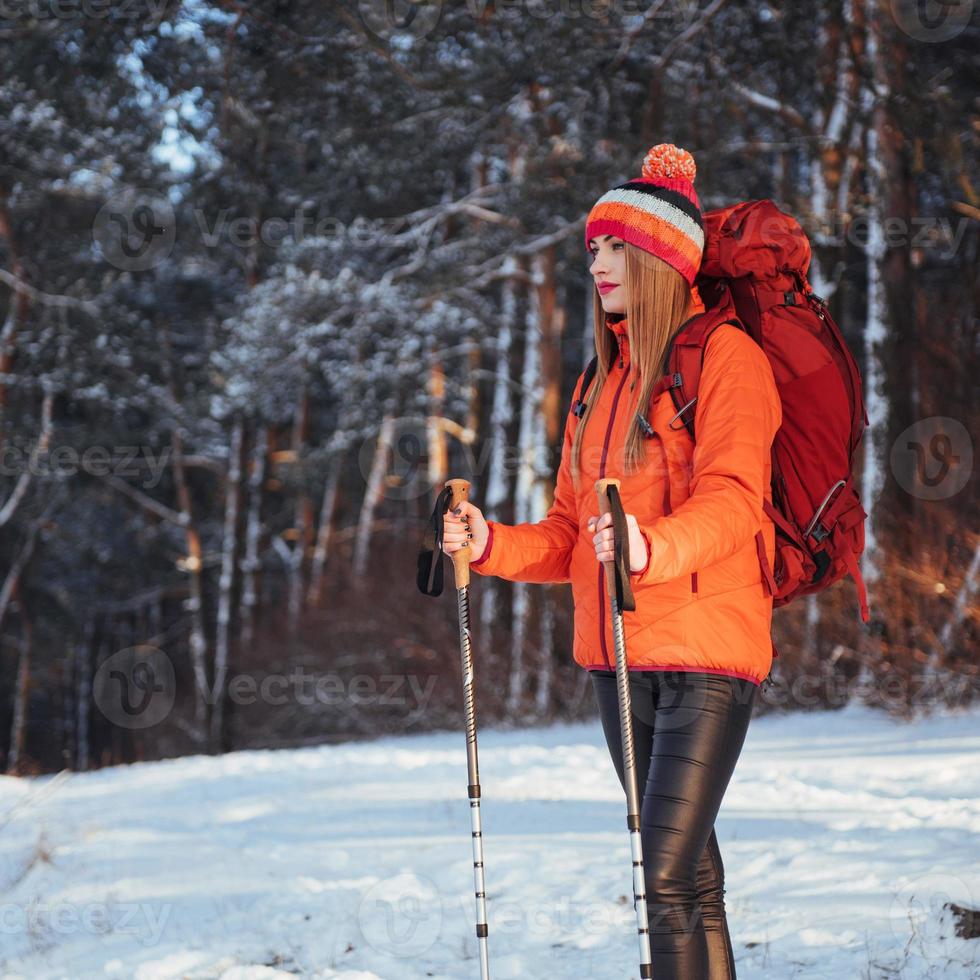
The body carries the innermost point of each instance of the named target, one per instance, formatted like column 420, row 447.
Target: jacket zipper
column 602, row 473
column 667, row 507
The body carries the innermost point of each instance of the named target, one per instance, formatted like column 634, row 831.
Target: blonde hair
column 658, row 299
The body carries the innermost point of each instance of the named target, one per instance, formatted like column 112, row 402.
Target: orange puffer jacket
column 701, row 603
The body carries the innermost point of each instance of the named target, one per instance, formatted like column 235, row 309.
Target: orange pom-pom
column 667, row 160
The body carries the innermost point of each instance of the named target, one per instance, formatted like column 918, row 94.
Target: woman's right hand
column 468, row 529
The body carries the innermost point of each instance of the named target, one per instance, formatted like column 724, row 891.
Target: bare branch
column 24, row 480
column 146, row 502
column 48, row 299
column 761, row 101
column 662, row 60
column 23, row 558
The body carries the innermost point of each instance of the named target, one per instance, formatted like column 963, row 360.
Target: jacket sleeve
column 542, row 551
column 738, row 413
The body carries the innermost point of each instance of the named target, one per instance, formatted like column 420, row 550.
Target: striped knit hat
column 658, row 211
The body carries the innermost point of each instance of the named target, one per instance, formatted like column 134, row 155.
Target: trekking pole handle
column 602, row 492
column 461, row 557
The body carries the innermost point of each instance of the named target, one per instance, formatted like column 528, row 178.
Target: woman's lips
column 605, row 287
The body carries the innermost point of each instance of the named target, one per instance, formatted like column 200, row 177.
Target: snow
column 843, row 834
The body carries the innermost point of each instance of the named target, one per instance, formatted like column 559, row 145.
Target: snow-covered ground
column 843, row 834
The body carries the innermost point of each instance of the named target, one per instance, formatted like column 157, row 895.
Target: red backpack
column 753, row 276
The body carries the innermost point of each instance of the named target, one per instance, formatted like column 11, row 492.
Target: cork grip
column 461, row 557
column 602, row 492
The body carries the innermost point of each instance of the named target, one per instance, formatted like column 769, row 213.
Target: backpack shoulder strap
column 685, row 361
column 578, row 406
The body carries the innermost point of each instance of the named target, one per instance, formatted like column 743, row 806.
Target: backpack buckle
column 676, row 381
column 578, row 408
column 670, row 424
column 789, row 297
column 814, row 528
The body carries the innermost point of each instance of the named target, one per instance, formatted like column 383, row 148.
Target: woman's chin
column 611, row 305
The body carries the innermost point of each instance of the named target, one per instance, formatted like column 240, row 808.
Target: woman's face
column 608, row 270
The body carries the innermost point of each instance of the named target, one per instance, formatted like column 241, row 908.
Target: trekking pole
column 621, row 599
column 453, row 494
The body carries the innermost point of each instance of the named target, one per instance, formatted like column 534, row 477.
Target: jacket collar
column 619, row 327
column 619, row 330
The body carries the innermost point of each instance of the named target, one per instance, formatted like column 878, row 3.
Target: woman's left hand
column 602, row 528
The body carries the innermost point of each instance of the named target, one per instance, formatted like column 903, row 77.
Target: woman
column 698, row 644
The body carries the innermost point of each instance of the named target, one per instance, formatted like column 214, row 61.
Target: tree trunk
column 881, row 167
column 18, row 728
column 325, row 529
column 373, row 496
column 84, row 655
column 227, row 580
column 546, row 657
column 436, row 431
column 529, row 498
column 251, row 563
column 194, row 566
column 16, row 311
column 501, row 414
column 304, row 512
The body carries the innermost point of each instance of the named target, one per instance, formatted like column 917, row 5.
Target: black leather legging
column 688, row 730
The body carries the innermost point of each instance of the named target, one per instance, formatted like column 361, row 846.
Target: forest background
column 270, row 273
